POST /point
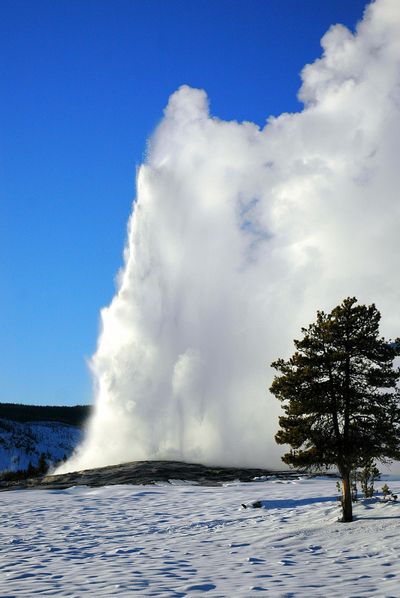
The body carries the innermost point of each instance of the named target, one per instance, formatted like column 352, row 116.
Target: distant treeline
column 24, row 474
column 75, row 416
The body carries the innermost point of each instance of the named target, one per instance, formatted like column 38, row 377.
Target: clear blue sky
column 84, row 83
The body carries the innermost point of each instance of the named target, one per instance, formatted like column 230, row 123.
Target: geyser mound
column 238, row 235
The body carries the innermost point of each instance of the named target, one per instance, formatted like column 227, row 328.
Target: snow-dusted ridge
column 22, row 443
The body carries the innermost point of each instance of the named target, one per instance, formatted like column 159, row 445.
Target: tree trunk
column 347, row 506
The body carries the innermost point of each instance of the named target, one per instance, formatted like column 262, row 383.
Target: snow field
column 186, row 540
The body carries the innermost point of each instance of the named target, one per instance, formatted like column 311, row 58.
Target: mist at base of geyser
column 238, row 235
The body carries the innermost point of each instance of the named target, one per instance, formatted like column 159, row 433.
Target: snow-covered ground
column 185, row 540
column 21, row 443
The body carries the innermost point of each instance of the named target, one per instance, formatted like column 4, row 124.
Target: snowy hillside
column 185, row 540
column 23, row 442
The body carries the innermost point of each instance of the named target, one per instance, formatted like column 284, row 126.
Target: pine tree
column 339, row 395
column 367, row 476
column 42, row 467
column 31, row 470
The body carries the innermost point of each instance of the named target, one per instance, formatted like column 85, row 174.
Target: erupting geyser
column 238, row 235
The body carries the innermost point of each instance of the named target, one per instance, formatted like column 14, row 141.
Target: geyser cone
column 238, row 235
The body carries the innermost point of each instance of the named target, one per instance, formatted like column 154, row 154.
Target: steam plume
column 237, row 236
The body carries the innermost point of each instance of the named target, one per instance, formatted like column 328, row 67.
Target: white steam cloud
column 238, row 235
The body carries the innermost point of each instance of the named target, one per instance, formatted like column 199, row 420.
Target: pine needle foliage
column 339, row 395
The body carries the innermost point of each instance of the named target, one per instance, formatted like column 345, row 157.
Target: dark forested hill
column 74, row 416
column 29, row 433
